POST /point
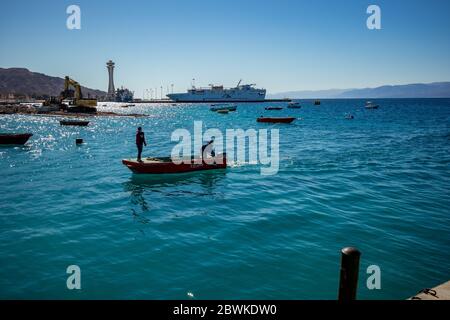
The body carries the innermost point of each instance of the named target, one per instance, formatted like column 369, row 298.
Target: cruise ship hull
column 185, row 97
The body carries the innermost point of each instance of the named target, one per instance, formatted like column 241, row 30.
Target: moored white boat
column 371, row 105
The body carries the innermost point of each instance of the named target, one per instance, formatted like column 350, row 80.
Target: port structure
column 111, row 90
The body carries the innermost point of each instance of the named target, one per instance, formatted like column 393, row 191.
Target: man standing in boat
column 140, row 142
column 208, row 150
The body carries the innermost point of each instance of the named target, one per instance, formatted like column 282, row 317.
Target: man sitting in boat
column 207, row 149
column 140, row 142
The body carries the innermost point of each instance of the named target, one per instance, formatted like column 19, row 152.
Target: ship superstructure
column 213, row 93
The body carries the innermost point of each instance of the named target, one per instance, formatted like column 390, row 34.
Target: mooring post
column 348, row 282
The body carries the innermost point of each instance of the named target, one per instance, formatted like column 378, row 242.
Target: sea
column 379, row 182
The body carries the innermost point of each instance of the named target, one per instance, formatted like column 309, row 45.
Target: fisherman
column 207, row 149
column 140, row 142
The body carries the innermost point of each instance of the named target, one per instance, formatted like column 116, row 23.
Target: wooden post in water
column 348, row 282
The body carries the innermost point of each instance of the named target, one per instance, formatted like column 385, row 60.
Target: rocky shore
column 33, row 110
column 17, row 109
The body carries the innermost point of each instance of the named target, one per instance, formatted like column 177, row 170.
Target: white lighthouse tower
column 111, row 90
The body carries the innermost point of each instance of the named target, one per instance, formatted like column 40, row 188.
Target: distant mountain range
column 23, row 81
column 419, row 90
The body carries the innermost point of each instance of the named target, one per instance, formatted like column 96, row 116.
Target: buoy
column 79, row 141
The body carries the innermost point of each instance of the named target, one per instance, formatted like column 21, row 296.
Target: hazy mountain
column 419, row 90
column 23, row 81
column 308, row 94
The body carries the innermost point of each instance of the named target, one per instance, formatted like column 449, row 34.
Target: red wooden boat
column 11, row 138
column 276, row 120
column 165, row 165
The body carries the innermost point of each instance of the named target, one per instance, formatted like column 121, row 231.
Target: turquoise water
column 379, row 182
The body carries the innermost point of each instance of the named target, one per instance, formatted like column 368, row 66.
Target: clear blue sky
column 280, row 45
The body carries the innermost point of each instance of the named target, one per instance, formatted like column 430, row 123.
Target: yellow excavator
column 69, row 93
column 78, row 104
column 72, row 100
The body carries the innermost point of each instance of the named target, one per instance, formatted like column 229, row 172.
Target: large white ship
column 240, row 93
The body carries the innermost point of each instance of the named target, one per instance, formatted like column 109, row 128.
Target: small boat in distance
column 275, row 120
column 14, row 138
column 349, row 117
column 223, row 111
column 371, row 105
column 294, row 105
column 274, row 108
column 165, row 165
column 224, row 107
column 317, row 103
column 78, row 123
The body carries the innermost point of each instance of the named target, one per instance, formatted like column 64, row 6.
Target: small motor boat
column 371, row 105
column 294, row 105
column 14, row 139
column 349, row 117
column 224, row 107
column 165, row 165
column 223, row 111
column 274, row 108
column 276, row 120
column 79, row 123
column 317, row 103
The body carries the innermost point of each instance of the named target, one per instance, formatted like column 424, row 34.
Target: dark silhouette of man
column 207, row 149
column 140, row 142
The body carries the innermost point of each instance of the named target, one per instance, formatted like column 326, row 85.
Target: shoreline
column 14, row 109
